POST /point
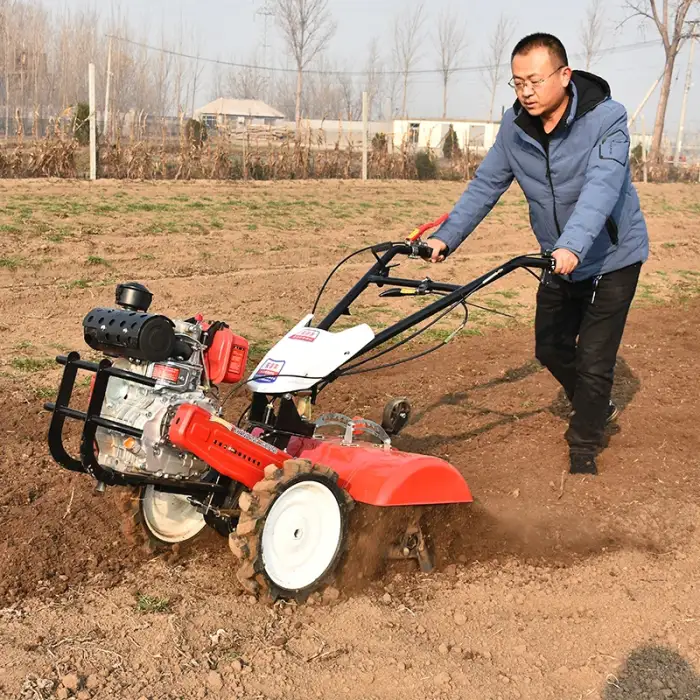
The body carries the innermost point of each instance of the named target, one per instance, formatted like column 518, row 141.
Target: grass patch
column 257, row 349
column 24, row 345
column 97, row 260
column 252, row 227
column 152, row 604
column 29, row 364
column 10, row 263
column 78, row 284
column 217, row 224
column 508, row 293
column 8, row 228
column 147, row 206
column 57, row 236
column 106, row 208
column 44, row 392
column 196, row 205
column 668, row 245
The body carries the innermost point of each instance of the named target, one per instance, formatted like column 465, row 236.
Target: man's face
column 540, row 97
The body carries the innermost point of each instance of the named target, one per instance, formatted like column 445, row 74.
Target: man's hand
column 567, row 261
column 438, row 249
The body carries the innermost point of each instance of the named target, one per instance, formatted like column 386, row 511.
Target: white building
column 430, row 133
column 228, row 111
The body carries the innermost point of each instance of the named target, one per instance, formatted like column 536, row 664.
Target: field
column 548, row 587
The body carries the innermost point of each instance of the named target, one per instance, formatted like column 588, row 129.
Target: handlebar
column 546, row 262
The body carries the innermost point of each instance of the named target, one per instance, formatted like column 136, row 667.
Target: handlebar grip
column 424, row 251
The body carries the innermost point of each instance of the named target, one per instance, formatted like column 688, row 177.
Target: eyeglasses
column 519, row 85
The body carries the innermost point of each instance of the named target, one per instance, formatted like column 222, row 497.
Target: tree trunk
column 300, row 79
column 656, row 146
column 405, row 90
column 493, row 100
column 444, row 98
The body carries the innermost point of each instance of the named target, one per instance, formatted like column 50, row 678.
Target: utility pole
column 266, row 11
column 644, row 101
column 93, row 119
column 688, row 78
column 105, row 128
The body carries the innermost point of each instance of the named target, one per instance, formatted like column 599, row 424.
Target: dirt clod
column 214, row 681
column 330, row 595
column 71, row 681
column 442, row 679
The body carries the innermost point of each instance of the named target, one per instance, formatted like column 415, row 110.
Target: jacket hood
column 591, row 90
column 588, row 91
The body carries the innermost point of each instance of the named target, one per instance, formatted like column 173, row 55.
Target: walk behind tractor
column 279, row 484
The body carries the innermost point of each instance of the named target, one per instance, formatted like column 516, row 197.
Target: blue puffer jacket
column 580, row 194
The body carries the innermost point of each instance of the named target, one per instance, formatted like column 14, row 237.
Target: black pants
column 578, row 329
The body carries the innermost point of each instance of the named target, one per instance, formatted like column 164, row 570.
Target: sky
column 231, row 30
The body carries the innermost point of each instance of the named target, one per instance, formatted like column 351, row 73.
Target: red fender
column 379, row 477
column 369, row 473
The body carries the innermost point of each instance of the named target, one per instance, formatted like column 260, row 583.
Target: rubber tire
column 246, row 542
column 389, row 415
column 138, row 533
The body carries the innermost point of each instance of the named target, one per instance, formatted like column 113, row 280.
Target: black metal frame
column 378, row 274
column 92, row 419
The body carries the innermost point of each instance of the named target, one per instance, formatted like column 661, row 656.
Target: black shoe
column 582, row 463
column 613, row 413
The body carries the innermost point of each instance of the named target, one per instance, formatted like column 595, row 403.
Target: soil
column 548, row 586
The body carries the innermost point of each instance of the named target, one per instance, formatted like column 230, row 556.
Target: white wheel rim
column 301, row 535
column 170, row 516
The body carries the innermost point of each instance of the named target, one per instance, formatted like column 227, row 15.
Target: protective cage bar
column 92, row 420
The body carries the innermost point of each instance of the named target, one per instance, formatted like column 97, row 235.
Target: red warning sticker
column 308, row 335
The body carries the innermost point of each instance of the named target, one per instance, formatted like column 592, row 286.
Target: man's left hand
column 567, row 261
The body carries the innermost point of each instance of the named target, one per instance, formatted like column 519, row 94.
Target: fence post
column 644, row 150
column 105, row 128
column 93, row 119
column 364, row 134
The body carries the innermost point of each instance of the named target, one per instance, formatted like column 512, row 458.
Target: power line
column 421, row 71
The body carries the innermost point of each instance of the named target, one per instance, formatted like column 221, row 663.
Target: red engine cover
column 232, row 452
column 226, row 358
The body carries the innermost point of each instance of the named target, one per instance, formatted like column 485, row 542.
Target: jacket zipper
column 551, row 187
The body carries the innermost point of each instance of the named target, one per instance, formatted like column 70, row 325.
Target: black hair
column 541, row 40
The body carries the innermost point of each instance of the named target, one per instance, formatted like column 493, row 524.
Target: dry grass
column 256, row 153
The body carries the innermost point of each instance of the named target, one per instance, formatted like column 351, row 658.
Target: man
column 566, row 143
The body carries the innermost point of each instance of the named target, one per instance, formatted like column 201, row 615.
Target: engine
column 186, row 358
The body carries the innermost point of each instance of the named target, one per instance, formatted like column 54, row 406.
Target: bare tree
column 307, row 28
column 352, row 101
column 407, row 28
column 247, row 82
column 593, row 31
column 451, row 43
column 496, row 55
column 669, row 17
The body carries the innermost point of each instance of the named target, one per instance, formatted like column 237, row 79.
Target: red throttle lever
column 418, row 232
